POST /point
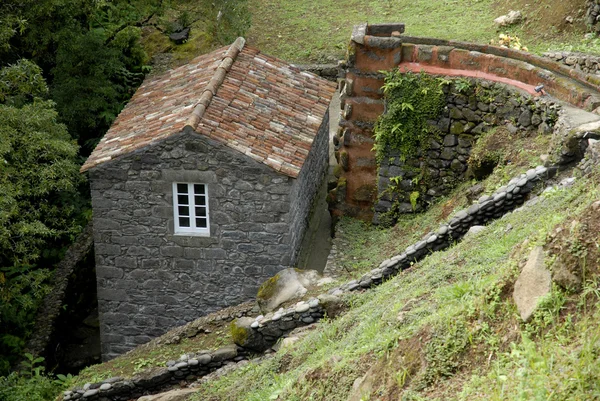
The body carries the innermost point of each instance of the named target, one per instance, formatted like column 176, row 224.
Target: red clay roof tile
column 253, row 103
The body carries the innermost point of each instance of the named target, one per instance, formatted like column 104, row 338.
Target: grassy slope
column 458, row 297
column 447, row 328
column 319, row 30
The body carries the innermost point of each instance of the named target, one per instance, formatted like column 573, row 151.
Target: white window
column 190, row 209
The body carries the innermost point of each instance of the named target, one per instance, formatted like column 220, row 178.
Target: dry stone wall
column 588, row 63
column 439, row 168
column 593, row 15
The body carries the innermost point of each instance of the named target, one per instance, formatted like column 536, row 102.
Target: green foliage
column 443, row 351
column 21, row 82
column 31, row 384
column 16, row 387
column 232, row 19
column 411, row 100
column 39, row 205
column 93, row 81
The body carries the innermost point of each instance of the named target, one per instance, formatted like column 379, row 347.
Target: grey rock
column 533, row 283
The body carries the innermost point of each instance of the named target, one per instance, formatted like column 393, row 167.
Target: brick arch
column 383, row 47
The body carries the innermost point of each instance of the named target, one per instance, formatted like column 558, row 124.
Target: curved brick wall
column 375, row 48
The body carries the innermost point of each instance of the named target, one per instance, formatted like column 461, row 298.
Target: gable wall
column 150, row 280
column 306, row 186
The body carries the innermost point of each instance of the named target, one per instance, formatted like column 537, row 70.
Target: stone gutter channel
column 263, row 331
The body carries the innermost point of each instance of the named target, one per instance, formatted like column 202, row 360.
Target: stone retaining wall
column 587, row 63
column 188, row 367
column 53, row 303
column 592, row 16
column 468, row 114
column 375, row 48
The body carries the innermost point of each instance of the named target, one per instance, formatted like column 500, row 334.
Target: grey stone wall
column 588, row 63
column 436, row 170
column 150, row 279
column 592, row 15
column 306, row 186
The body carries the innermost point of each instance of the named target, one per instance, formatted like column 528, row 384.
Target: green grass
column 320, row 30
column 461, row 315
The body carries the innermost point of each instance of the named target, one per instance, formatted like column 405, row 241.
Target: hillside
column 447, row 327
column 318, row 31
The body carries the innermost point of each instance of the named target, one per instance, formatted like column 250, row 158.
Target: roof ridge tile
column 215, row 82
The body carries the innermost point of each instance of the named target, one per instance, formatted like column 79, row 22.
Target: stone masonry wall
column 374, row 48
column 587, row 63
column 150, row 279
column 593, row 15
column 468, row 114
column 306, row 186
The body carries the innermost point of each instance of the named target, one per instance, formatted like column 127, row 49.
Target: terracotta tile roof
column 253, row 103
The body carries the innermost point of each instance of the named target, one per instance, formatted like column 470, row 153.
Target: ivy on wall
column 411, row 100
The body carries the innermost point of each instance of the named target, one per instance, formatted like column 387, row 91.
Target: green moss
column 267, row 289
column 411, row 100
column 238, row 333
column 337, row 171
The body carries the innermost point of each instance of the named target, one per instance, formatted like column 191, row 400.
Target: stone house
column 202, row 189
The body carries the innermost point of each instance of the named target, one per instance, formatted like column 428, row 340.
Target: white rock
column 513, row 17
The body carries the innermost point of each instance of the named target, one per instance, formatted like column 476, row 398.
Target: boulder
column 286, row 285
column 533, row 283
column 173, row 395
column 513, row 17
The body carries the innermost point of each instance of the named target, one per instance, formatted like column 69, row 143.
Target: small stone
column 473, row 209
column 432, row 239
column 105, row 386
column 450, row 140
column 500, row 196
column 474, row 230
column 90, row 393
column 443, row 230
column 313, row 303
column 276, row 317
column 301, row 308
column 204, row 359
column 193, row 362
column 254, row 325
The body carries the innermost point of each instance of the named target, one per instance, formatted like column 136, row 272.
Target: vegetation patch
column 411, row 100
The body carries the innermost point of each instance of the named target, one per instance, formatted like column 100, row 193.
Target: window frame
column 191, row 194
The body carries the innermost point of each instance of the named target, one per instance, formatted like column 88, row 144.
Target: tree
column 39, row 201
